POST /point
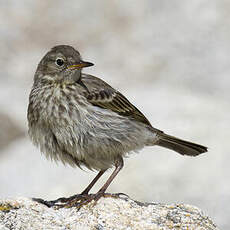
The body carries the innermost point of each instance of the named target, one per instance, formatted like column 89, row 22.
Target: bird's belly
column 98, row 137
column 85, row 134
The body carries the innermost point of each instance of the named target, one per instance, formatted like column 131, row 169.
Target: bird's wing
column 103, row 95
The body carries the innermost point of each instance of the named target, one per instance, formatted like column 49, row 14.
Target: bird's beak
column 80, row 65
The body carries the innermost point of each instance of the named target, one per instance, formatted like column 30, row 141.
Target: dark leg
column 88, row 198
column 119, row 165
column 84, row 198
column 86, row 191
column 74, row 197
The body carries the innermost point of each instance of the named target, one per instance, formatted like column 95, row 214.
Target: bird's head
column 61, row 64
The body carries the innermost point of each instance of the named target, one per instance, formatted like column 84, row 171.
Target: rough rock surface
column 107, row 213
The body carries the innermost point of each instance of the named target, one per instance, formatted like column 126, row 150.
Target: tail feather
column 181, row 146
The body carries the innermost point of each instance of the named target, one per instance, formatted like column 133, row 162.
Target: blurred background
column 170, row 58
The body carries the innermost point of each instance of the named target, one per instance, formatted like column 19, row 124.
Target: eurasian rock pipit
column 81, row 120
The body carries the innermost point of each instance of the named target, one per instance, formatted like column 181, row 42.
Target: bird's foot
column 52, row 203
column 77, row 201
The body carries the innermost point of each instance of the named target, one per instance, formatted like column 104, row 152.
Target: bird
column 82, row 121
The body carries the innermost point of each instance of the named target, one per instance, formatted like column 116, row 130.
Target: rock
column 107, row 213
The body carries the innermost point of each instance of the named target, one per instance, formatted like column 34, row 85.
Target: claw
column 57, row 202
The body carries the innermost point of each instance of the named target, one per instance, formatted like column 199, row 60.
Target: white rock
column 107, row 213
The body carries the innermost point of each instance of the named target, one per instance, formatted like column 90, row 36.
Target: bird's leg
column 119, row 163
column 76, row 197
column 86, row 198
column 86, row 191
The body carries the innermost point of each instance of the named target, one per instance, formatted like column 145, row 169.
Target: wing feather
column 116, row 102
column 103, row 95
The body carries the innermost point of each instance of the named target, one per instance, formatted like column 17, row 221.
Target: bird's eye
column 59, row 62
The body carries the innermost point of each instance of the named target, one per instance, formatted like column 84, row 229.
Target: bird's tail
column 181, row 146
